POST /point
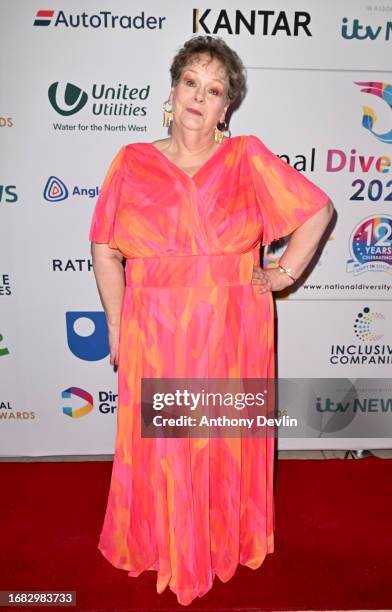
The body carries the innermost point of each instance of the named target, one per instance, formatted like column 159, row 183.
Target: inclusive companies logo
column 369, row 118
column 370, row 245
column 87, row 335
column 254, row 22
column 368, row 326
column 363, row 322
column 118, row 100
column 56, row 190
column 101, row 20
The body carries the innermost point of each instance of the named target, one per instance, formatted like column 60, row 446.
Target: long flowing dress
column 193, row 508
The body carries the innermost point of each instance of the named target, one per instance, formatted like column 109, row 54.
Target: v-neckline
column 180, row 170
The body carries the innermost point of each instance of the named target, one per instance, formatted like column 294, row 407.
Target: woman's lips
column 194, row 111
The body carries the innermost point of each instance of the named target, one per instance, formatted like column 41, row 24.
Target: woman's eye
column 189, row 82
column 215, row 92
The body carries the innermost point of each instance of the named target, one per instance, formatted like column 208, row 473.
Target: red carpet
column 333, row 540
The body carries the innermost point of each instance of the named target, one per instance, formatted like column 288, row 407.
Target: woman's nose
column 199, row 96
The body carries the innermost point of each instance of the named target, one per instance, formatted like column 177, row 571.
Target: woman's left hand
column 270, row 279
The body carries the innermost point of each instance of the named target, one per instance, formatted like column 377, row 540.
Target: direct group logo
column 371, row 245
column 106, row 403
column 81, row 411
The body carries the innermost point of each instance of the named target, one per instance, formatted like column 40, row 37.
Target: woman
column 188, row 213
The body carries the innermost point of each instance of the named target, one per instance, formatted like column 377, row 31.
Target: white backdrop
column 304, row 102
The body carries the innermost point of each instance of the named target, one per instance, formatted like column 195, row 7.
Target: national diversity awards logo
column 369, row 118
column 371, row 245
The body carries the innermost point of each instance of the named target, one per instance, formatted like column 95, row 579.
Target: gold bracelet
column 287, row 271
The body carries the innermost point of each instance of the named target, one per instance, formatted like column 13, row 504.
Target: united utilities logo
column 102, row 19
column 56, row 190
column 43, row 18
column 67, row 100
column 118, row 100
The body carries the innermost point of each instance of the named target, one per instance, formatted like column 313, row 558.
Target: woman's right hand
column 114, row 338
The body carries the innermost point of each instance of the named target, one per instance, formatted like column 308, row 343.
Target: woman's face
column 200, row 98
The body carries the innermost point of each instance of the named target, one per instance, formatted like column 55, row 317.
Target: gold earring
column 220, row 134
column 167, row 114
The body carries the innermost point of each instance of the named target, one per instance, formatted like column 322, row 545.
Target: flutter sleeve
column 285, row 196
column 102, row 224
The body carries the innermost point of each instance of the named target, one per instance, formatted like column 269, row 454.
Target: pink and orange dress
column 193, row 508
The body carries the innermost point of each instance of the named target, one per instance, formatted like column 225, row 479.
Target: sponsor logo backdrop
column 82, row 79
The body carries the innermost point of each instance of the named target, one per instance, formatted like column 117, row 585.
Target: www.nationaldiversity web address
column 352, row 286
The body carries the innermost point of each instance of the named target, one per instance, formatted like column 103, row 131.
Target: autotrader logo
column 67, row 100
column 55, row 190
column 43, row 18
column 101, row 20
column 76, row 413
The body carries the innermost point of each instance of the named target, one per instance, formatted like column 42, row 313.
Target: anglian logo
column 55, row 190
column 67, row 101
column 43, row 18
column 362, row 325
column 369, row 118
column 263, row 22
column 76, row 413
